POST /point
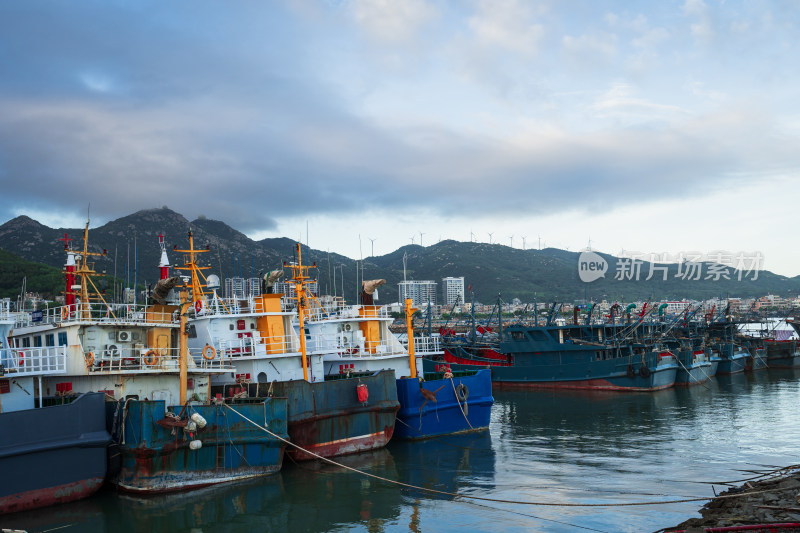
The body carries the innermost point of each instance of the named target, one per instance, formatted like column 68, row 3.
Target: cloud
column 391, row 21
column 507, row 24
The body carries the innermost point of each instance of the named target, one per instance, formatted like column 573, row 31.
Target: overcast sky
column 660, row 127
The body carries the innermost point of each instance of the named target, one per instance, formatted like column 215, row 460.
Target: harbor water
column 562, row 448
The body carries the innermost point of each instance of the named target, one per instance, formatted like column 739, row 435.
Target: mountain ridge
column 133, row 253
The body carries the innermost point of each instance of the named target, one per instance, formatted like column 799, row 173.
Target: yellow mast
column 190, row 264
column 183, row 357
column 410, row 332
column 299, row 277
column 199, row 299
column 84, row 272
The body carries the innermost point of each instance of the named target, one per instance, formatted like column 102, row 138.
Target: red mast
column 164, row 266
column 69, row 275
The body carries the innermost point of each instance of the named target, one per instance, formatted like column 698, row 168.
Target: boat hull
column 454, row 405
column 52, row 455
column 152, row 459
column 732, row 365
column 579, row 370
column 328, row 419
column 783, row 354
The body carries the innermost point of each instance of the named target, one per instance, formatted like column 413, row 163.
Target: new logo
column 591, row 266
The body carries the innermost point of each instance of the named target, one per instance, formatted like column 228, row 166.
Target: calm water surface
column 566, row 448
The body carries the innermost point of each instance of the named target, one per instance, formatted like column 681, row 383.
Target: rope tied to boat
column 480, row 498
column 465, row 408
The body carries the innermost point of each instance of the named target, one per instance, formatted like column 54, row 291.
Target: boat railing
column 144, row 360
column 254, row 347
column 96, row 313
column 239, row 306
column 319, row 314
column 51, row 360
column 336, row 344
column 424, row 345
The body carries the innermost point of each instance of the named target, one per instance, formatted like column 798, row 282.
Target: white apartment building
column 420, row 292
column 452, row 291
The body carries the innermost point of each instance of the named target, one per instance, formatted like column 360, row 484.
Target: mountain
column 39, row 277
column 133, row 252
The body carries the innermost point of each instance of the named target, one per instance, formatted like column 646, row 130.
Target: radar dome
column 212, row 281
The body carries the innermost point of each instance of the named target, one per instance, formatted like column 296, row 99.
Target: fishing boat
column 694, row 367
column 328, row 414
column 136, row 356
column 594, row 357
column 357, row 339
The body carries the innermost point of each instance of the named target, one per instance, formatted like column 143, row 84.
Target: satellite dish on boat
column 212, row 281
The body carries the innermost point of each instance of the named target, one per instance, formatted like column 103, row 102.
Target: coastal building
column 452, row 291
column 420, row 291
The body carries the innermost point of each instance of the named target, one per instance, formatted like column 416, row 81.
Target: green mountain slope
column 549, row 274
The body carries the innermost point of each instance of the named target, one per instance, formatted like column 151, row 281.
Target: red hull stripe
column 34, row 499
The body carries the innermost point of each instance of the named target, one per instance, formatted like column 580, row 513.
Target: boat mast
column 410, row 333
column 190, row 264
column 299, row 277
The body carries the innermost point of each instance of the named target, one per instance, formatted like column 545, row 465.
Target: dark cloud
column 219, row 111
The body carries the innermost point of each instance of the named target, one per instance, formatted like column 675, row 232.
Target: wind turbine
column 373, row 245
column 420, row 238
column 511, row 241
column 523, row 241
column 540, row 242
column 490, row 238
column 412, row 239
column 471, row 236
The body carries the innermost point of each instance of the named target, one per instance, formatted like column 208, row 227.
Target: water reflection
column 570, row 447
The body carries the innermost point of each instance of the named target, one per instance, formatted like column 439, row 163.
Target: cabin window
column 111, row 335
column 192, row 331
column 37, row 341
column 518, row 335
column 49, row 340
column 230, row 327
column 62, row 338
column 252, row 325
column 26, row 342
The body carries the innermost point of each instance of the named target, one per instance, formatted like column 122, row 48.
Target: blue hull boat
column 440, row 406
column 178, row 448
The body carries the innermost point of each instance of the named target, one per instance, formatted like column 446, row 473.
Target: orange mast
column 299, row 277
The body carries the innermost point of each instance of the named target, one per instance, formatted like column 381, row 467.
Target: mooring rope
column 455, row 393
column 495, row 500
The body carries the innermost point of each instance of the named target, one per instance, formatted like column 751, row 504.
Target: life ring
column 198, row 306
column 150, row 357
column 89, row 359
column 631, row 371
column 208, row 348
column 462, row 393
column 644, row 371
column 64, row 313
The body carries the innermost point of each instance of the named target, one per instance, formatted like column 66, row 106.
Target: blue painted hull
column 155, row 459
column 328, row 419
column 53, row 454
column 692, row 371
column 575, row 367
column 463, row 403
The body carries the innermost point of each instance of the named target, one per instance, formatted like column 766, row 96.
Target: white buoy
column 195, row 445
column 199, row 420
column 190, row 426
